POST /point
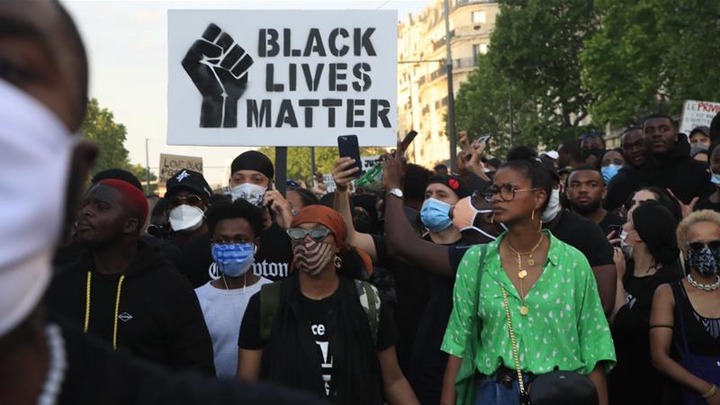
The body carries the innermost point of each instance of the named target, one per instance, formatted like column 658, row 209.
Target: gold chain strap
column 521, row 383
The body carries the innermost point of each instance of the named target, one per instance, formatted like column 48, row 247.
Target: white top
column 223, row 311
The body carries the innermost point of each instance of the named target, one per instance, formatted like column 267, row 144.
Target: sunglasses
column 190, row 199
column 698, row 246
column 317, row 234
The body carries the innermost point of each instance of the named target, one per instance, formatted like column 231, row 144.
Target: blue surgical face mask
column 435, row 215
column 715, row 178
column 609, row 171
column 233, row 259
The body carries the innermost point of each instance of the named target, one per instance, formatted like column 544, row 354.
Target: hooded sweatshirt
column 150, row 310
column 686, row 177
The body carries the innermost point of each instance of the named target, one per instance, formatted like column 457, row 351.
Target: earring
column 337, row 261
column 492, row 219
column 532, row 216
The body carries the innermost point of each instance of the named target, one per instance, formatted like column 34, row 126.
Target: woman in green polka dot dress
column 545, row 287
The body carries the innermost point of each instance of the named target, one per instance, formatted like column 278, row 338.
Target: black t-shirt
column 318, row 310
column 573, row 229
column 706, row 204
column 273, row 259
column 411, row 289
column 611, row 222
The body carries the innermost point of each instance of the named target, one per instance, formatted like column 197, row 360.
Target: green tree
column 483, row 106
column 651, row 55
column 100, row 127
column 140, row 172
column 536, row 45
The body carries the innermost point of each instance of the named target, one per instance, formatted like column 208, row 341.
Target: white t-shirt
column 223, row 310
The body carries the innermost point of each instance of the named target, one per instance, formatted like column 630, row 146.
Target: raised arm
column 343, row 174
column 400, row 237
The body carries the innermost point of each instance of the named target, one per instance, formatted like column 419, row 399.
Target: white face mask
column 553, row 207
column 186, row 218
column 249, row 192
column 35, row 148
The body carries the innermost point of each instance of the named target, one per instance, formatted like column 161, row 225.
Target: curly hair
column 692, row 219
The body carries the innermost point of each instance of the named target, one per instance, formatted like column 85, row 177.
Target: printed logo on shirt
column 270, row 270
column 125, row 317
column 321, row 339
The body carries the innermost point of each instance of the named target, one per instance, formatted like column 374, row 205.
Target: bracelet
column 711, row 392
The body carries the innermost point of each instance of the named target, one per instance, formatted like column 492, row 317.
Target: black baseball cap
column 190, row 180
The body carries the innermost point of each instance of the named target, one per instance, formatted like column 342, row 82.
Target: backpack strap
column 370, row 301
column 269, row 303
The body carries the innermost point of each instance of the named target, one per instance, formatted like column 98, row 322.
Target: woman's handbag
column 553, row 388
column 465, row 387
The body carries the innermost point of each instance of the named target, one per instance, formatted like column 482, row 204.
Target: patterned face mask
column 312, row 257
column 704, row 259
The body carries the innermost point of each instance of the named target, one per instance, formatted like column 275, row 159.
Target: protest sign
column 171, row 164
column 369, row 161
column 281, row 77
column 697, row 113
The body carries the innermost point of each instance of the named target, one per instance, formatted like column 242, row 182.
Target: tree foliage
column 100, row 127
column 651, row 55
column 483, row 106
column 536, row 45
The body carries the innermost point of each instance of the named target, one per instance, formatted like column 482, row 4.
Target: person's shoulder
column 564, row 249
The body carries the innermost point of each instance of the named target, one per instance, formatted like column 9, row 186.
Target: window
column 478, row 17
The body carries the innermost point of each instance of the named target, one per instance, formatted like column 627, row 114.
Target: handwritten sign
column 171, row 164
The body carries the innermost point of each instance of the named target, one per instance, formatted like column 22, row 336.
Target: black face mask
column 597, row 152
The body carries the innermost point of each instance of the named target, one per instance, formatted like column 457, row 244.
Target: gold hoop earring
column 337, row 261
column 532, row 216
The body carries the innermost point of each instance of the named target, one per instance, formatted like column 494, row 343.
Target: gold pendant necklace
column 522, row 273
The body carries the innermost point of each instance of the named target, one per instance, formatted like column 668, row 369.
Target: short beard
column 586, row 210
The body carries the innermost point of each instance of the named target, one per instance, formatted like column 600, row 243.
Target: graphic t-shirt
column 273, row 258
column 223, row 311
column 322, row 325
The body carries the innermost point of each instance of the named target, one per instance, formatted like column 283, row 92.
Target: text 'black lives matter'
column 313, row 77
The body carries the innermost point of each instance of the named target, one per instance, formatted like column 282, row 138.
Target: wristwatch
column 396, row 192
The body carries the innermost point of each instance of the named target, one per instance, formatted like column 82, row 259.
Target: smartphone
column 407, row 140
column 483, row 138
column 349, row 147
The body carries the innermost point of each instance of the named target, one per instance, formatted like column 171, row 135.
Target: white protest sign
column 171, row 164
column 281, row 77
column 697, row 113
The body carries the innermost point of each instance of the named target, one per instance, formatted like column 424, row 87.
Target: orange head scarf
column 332, row 220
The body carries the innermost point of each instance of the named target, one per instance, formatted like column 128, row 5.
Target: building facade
column 422, row 72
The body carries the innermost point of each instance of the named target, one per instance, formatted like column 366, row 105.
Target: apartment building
column 422, row 72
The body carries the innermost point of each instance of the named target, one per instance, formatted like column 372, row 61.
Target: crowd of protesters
column 585, row 275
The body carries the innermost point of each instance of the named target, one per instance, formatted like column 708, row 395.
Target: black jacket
column 97, row 375
column 686, row 177
column 158, row 314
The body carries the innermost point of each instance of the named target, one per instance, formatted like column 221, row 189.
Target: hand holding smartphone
column 348, row 146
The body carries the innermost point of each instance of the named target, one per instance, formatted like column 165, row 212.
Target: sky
column 127, row 48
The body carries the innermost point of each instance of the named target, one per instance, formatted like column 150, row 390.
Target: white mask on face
column 249, row 192
column 553, row 207
column 35, row 148
column 186, row 218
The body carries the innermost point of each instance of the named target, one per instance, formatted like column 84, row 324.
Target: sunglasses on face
column 699, row 246
column 317, row 234
column 506, row 192
column 190, row 199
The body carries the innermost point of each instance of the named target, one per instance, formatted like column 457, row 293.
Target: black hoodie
column 158, row 315
column 686, row 177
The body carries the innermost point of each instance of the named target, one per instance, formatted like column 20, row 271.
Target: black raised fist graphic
column 218, row 66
